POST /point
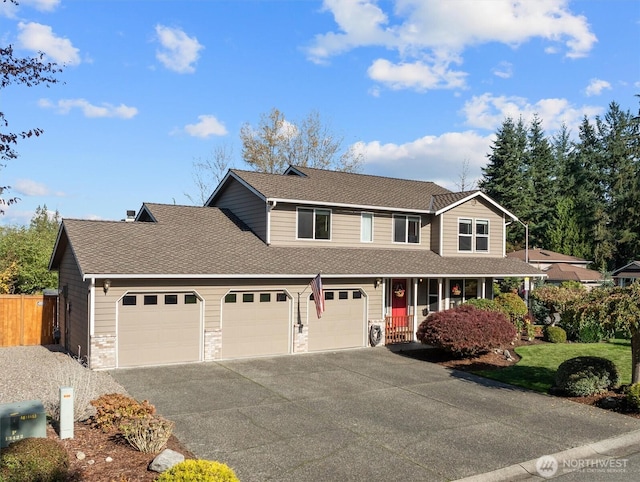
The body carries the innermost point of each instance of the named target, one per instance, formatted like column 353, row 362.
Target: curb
column 611, row 448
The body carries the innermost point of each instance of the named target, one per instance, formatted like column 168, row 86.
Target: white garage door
column 255, row 323
column 158, row 329
column 342, row 323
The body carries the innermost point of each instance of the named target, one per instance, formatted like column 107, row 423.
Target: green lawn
column 537, row 368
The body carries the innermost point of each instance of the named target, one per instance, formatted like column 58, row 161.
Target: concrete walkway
column 375, row 415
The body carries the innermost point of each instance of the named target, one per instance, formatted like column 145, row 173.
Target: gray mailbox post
column 22, row 420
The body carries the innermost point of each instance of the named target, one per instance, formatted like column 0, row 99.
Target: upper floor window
column 406, row 229
column 482, row 235
column 466, row 235
column 314, row 223
column 366, row 227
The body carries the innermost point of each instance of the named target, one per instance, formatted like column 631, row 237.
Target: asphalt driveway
column 368, row 414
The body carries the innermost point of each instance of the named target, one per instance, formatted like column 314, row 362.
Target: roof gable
column 304, row 185
column 445, row 202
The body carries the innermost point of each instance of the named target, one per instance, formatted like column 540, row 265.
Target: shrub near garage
column 34, row 459
column 199, row 470
column 586, row 375
column 514, row 307
column 466, row 330
column 554, row 334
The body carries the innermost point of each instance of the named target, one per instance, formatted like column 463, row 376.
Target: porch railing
column 398, row 329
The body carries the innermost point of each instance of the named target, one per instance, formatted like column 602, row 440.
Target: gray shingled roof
column 441, row 201
column 203, row 241
column 334, row 187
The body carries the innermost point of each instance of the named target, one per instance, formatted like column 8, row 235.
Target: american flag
column 318, row 295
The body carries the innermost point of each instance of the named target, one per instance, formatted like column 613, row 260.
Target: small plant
column 199, row 470
column 586, row 375
column 114, row 408
column 514, row 307
column 34, row 459
column 632, row 395
column 554, row 334
column 466, row 330
column 148, row 434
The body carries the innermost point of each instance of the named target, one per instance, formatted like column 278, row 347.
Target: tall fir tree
column 503, row 178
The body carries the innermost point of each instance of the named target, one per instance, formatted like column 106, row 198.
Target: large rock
column 165, row 460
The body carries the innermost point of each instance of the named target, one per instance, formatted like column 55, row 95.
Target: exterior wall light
column 378, row 282
column 106, row 284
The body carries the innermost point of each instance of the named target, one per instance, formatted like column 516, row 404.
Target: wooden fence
column 27, row 319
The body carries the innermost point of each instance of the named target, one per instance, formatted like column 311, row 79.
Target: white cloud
column 64, row 106
column 432, row 34
column 40, row 38
column 207, row 126
column 42, row 5
column 504, row 70
column 596, row 86
column 487, row 111
column 179, row 51
column 417, row 75
column 29, row 187
column 432, row 158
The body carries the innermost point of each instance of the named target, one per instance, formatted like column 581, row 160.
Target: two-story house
column 230, row 279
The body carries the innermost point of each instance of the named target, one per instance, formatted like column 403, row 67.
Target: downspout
column 92, row 317
column 415, row 308
column 270, row 206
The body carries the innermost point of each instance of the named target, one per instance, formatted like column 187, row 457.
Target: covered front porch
column 408, row 301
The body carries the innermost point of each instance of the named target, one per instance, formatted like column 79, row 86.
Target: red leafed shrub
column 466, row 331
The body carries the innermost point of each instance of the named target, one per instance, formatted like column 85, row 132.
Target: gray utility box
column 22, row 420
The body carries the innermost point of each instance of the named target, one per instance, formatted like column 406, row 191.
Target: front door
column 399, row 298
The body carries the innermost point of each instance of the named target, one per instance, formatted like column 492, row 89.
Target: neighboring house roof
column 632, row 270
column 305, row 185
column 567, row 272
column 538, row 255
column 209, row 242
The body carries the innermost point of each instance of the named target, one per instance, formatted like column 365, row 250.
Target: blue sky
column 419, row 87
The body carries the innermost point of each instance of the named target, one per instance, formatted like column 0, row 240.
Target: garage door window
column 356, row 295
column 190, row 299
column 129, row 300
column 230, row 298
column 150, row 299
column 265, row 297
column 170, row 299
column 247, row 297
column 343, row 295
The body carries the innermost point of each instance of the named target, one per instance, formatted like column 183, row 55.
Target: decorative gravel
column 38, row 372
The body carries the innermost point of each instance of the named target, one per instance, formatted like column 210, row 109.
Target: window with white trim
column 366, row 227
column 473, row 235
column 482, row 235
column 406, row 229
column 314, row 223
column 465, row 235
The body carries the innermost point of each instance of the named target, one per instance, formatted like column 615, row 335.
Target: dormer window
column 314, row 223
column 406, row 229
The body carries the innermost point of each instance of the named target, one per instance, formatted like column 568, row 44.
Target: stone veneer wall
column 212, row 345
column 103, row 352
column 382, row 324
column 300, row 339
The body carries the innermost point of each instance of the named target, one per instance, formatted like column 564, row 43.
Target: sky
column 418, row 87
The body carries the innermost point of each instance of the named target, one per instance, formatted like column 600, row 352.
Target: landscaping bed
column 489, row 365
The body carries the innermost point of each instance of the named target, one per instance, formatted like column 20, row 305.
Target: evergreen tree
column 504, row 177
column 541, row 184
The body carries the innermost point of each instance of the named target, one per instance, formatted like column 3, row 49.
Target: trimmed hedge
column 554, row 334
column 466, row 330
column 586, row 375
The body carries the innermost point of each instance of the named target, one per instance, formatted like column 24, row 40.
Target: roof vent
column 131, row 215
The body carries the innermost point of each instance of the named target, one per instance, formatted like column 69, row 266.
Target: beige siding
column 345, row 229
column 246, row 205
column 212, row 293
column 436, row 224
column 74, row 309
column 476, row 209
